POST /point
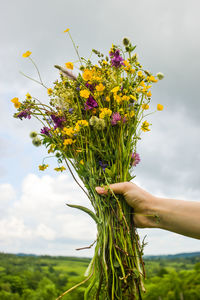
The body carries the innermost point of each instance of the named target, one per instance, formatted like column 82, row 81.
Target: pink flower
column 135, row 159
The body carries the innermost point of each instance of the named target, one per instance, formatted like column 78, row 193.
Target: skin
column 178, row 216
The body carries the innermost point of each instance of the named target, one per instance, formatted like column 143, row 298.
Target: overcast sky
column 33, row 214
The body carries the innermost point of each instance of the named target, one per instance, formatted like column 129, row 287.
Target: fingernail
column 99, row 189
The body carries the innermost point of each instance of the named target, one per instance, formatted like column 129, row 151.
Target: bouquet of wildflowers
column 92, row 124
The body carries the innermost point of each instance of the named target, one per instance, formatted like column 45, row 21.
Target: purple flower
column 135, row 159
column 116, row 60
column 90, row 103
column 57, row 121
column 115, row 118
column 45, row 130
column 90, row 86
column 70, row 110
column 25, row 114
column 103, row 165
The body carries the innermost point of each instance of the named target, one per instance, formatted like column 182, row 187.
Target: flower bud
column 36, row 142
column 160, row 75
column 126, row 41
column 33, row 134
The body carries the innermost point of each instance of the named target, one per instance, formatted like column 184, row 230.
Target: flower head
column 26, row 54
column 28, row 96
column 60, row 169
column 105, row 112
column 159, row 107
column 57, row 121
column 33, row 134
column 87, row 75
column 84, row 93
column 49, row 91
column 115, row 118
column 69, row 65
column 36, row 142
column 90, row 103
column 66, row 30
column 135, row 159
column 160, row 75
column 145, row 126
column 103, row 165
column 16, row 102
column 116, row 60
column 43, row 167
column 24, row 114
column 45, row 130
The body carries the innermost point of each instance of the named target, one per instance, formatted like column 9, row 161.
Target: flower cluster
column 93, row 122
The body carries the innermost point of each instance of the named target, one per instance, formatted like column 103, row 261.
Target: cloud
column 38, row 221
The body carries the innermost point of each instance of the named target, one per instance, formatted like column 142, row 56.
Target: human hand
column 141, row 201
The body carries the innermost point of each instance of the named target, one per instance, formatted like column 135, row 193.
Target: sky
column 34, row 217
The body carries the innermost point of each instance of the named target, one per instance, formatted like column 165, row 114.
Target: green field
column 25, row 277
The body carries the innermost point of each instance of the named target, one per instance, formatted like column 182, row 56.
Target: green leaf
column 86, row 210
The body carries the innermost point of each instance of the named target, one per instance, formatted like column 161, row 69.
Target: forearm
column 179, row 216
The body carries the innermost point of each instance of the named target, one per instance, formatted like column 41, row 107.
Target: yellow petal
column 26, row 54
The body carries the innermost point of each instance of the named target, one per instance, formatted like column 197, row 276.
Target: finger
column 117, row 188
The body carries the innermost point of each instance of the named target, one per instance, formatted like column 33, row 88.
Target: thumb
column 117, row 188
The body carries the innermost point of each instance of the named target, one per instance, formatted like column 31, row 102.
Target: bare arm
column 179, row 216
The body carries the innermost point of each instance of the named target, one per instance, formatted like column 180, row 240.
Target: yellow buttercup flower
column 152, row 78
column 66, row 30
column 100, row 87
column 145, row 106
column 49, row 91
column 85, row 94
column 26, row 54
column 60, row 169
column 107, row 98
column 133, row 97
column 16, row 102
column 160, row 107
column 69, row 65
column 87, row 75
column 105, row 112
column 28, row 96
column 115, row 89
column 149, row 94
column 68, row 131
column 43, row 167
column 125, row 98
column 145, row 126
column 81, row 123
column 140, row 74
column 68, row 142
column 81, row 162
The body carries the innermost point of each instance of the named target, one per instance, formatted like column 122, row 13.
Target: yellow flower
column 115, row 89
column 132, row 114
column 60, row 169
column 117, row 98
column 26, row 54
column 82, row 123
column 87, row 75
column 69, row 65
column 149, row 94
column 68, row 131
column 133, row 97
column 100, row 87
column 159, row 107
column 107, row 98
column 145, row 106
column 52, row 148
column 68, row 142
column 81, row 162
column 138, row 90
column 152, row 79
column 49, row 91
column 16, row 102
column 28, row 96
column 105, row 112
column 125, row 98
column 140, row 74
column 43, row 167
column 66, row 30
column 142, row 84
column 145, row 126
column 85, row 94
